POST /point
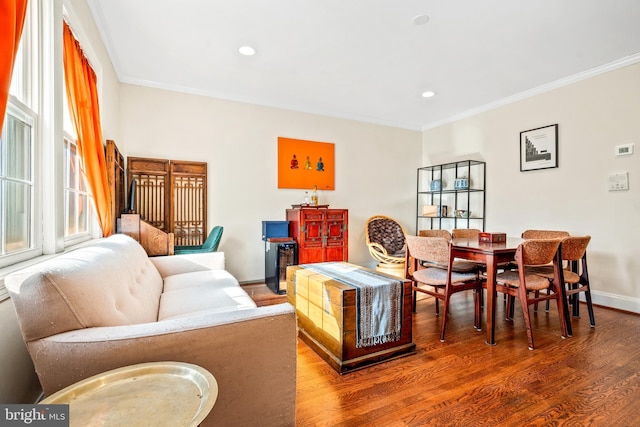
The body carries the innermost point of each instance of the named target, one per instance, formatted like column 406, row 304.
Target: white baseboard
column 614, row 301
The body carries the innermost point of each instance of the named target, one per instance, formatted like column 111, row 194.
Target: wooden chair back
column 537, row 252
column 544, row 234
column 435, row 233
column 465, row 233
column 574, row 247
column 432, row 249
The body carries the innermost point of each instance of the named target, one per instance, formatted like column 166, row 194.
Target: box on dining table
column 486, row 237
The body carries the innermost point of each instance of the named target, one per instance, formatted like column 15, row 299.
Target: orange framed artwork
column 305, row 164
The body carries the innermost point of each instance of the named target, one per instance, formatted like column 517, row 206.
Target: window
column 44, row 204
column 76, row 196
column 16, row 182
column 78, row 208
column 18, row 156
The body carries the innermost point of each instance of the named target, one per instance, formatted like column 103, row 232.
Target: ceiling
column 367, row 60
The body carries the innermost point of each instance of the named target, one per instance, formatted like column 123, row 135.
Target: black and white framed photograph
column 539, row 148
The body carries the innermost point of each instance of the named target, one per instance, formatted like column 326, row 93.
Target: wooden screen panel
column 116, row 181
column 188, row 202
column 151, row 198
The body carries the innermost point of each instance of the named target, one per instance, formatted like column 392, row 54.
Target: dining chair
column 459, row 266
column 438, row 282
column 435, row 233
column 544, row 234
column 465, row 233
column 469, row 233
column 525, row 285
column 576, row 276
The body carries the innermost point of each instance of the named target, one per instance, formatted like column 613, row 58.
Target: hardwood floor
column 590, row 379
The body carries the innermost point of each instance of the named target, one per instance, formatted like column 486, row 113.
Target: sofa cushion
column 212, row 291
column 108, row 283
column 187, row 263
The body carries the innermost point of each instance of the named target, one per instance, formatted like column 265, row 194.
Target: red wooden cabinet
column 322, row 233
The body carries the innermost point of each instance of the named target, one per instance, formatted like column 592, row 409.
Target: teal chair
column 209, row 245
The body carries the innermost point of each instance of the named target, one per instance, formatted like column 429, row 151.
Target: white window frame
column 23, row 104
column 24, row 107
column 82, row 190
column 21, row 112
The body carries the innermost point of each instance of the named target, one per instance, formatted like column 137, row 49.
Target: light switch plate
column 619, row 181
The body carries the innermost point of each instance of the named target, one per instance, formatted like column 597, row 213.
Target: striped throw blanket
column 378, row 300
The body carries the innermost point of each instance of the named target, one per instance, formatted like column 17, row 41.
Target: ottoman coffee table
column 351, row 316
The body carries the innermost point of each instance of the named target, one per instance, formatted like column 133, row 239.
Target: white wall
column 593, row 116
column 375, row 165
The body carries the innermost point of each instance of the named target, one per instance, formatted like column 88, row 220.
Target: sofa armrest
column 251, row 353
column 187, row 263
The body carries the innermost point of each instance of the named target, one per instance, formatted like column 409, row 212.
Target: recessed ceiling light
column 247, row 51
column 428, row 94
column 420, row 19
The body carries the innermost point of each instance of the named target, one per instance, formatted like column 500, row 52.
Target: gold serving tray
column 148, row 394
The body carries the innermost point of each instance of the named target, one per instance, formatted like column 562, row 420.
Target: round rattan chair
column 386, row 242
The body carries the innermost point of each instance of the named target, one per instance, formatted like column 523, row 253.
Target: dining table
column 491, row 254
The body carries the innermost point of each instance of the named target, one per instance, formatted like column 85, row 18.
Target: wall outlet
column 619, row 181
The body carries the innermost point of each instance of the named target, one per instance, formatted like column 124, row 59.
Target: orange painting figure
column 294, row 162
column 320, row 166
column 307, row 164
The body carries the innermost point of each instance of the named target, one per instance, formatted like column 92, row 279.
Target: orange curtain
column 12, row 13
column 82, row 94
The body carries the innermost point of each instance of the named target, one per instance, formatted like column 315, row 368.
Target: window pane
column 77, row 199
column 17, row 76
column 67, row 123
column 70, row 225
column 80, row 177
column 70, row 162
column 65, row 163
column 77, row 220
column 17, row 215
column 83, row 210
column 18, row 150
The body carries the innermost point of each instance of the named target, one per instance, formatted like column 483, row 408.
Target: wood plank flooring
column 590, row 379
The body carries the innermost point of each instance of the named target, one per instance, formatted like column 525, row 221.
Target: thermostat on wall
column 624, row 149
column 619, row 181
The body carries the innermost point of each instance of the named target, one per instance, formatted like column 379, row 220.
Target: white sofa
column 108, row 305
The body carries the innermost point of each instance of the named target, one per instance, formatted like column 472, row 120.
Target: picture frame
column 306, row 164
column 539, row 148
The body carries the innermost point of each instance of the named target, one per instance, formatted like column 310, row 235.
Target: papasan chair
column 386, row 243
